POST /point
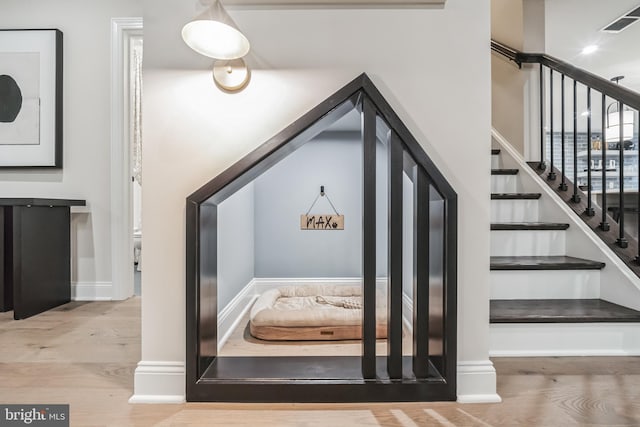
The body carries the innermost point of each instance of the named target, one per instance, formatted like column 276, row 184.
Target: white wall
column 85, row 174
column 507, row 89
column 193, row 132
column 236, row 239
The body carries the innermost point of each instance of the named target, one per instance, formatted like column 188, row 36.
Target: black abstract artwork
column 30, row 98
column 10, row 99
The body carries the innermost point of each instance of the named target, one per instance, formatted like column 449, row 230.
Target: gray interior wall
column 259, row 232
column 286, row 191
column 236, row 239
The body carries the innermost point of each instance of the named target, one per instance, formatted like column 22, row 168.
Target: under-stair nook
column 407, row 273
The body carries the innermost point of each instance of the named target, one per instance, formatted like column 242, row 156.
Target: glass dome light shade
column 612, row 132
column 214, row 34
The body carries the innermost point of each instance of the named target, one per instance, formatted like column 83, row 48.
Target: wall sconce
column 214, row 34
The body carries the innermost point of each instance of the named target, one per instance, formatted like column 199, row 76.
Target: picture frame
column 31, row 98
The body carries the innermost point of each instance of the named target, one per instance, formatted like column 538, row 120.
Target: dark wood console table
column 35, row 254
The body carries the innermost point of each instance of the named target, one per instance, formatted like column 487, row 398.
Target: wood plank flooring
column 85, row 354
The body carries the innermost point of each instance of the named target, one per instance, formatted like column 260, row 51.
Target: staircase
column 545, row 302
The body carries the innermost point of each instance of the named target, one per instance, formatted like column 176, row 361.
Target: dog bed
column 314, row 312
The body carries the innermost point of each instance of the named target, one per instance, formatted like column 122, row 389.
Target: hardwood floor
column 84, row 354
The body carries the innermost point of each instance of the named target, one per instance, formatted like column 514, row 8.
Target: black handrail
column 506, row 51
column 612, row 90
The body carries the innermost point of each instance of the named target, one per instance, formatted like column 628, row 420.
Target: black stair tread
column 515, row 196
column 504, row 171
column 560, row 311
column 529, row 226
column 558, row 262
column 495, row 151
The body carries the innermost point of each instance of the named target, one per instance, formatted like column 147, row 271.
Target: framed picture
column 30, row 98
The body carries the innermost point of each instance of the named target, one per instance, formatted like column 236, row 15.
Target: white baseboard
column 159, row 382
column 263, row 284
column 564, row 339
column 476, row 382
column 230, row 316
column 91, row 291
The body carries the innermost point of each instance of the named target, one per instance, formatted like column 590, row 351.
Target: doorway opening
column 126, row 57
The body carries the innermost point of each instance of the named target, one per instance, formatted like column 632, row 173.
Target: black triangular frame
column 434, row 375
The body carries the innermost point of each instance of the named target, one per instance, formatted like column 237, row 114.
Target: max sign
column 322, row 222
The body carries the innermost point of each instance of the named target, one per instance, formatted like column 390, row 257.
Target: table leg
column 6, row 284
column 41, row 259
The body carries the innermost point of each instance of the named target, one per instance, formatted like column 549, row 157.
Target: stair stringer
column 618, row 284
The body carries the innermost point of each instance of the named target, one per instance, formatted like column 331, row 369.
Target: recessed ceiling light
column 589, row 49
column 585, row 113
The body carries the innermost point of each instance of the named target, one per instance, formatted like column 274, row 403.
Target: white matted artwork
column 30, row 98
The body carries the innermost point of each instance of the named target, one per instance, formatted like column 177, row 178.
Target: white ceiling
column 573, row 24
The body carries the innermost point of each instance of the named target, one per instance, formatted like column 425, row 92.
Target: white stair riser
column 545, row 284
column 528, row 242
column 514, row 210
column 495, row 161
column 504, row 183
column 564, row 339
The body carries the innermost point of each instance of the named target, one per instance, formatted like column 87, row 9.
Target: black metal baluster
column 542, row 165
column 575, row 198
column 604, row 224
column 563, row 183
column 552, row 175
column 622, row 242
column 589, row 210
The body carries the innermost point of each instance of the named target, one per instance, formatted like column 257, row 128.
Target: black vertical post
column 575, row 198
column 6, row 258
column 420, row 273
column 604, row 224
column 542, row 165
column 638, row 205
column 369, row 241
column 622, row 242
column 552, row 175
column 203, row 229
column 450, row 288
column 394, row 293
column 589, row 209
column 563, row 180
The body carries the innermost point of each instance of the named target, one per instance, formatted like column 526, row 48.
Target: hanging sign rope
column 310, row 221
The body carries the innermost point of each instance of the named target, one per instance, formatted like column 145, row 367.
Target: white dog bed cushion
column 314, row 312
